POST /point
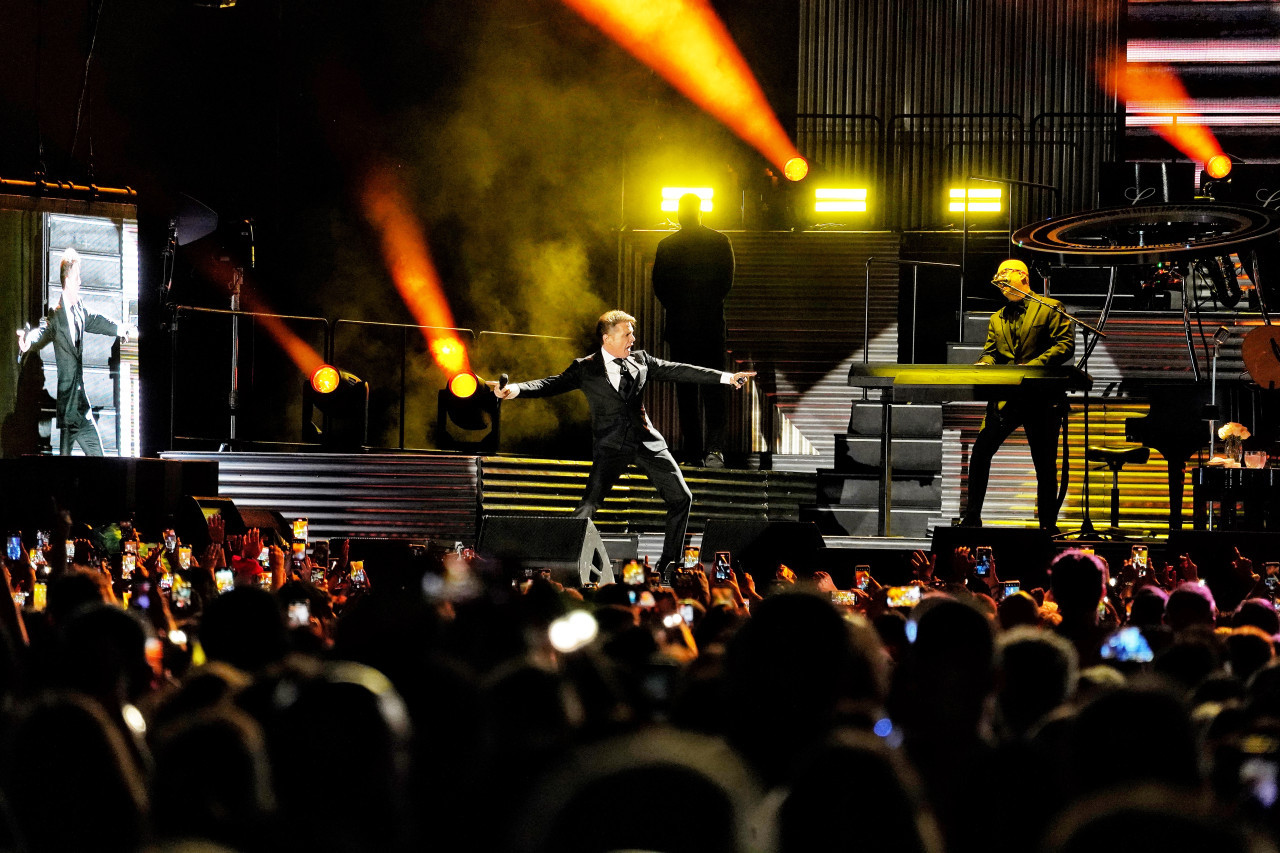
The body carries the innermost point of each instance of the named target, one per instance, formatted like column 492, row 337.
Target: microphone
column 502, row 381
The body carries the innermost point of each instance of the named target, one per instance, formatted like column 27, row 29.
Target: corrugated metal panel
column 948, row 72
column 795, row 315
column 404, row 496
column 516, row 486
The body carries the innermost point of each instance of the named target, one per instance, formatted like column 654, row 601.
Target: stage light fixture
column 671, row 198
column 796, row 169
column 467, row 415
column 984, row 200
column 341, row 401
column 839, row 200
column 1218, row 166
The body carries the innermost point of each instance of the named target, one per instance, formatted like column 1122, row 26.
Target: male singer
column 614, row 379
column 1030, row 332
column 65, row 326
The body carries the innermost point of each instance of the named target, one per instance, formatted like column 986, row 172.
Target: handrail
column 915, row 286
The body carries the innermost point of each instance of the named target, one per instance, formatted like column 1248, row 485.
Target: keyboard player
column 1028, row 330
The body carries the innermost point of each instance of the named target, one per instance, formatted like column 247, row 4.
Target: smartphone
column 39, row 596
column 1138, row 558
column 170, row 539
column 982, row 567
column 42, row 539
column 301, row 528
column 724, row 571
column 1010, row 588
column 846, row 597
column 686, row 613
column 863, row 575
column 903, row 596
column 1127, row 644
column 15, row 546
column 299, row 614
column 264, row 556
column 130, row 546
column 182, row 595
column 320, row 552
column 299, row 551
column 646, row 599
column 71, row 551
column 142, row 597
column 128, row 562
column 358, row 576
column 633, row 574
column 226, row 580
column 184, row 557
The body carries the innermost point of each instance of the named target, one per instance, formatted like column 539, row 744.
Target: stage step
column 865, row 521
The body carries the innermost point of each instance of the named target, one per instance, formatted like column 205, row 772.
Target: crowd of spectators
column 223, row 702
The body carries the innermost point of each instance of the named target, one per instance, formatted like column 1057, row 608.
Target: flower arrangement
column 1233, row 430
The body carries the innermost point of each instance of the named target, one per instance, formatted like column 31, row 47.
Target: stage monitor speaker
column 1021, row 554
column 570, row 547
column 760, row 545
column 391, row 564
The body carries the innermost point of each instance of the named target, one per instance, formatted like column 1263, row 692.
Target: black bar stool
column 1116, row 457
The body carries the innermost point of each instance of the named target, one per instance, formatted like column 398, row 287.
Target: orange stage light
column 464, row 385
column 1160, row 90
column 796, row 169
column 325, row 379
column 1218, row 166
column 685, row 42
column 409, row 262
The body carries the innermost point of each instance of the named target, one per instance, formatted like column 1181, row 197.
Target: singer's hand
column 740, row 379
column 23, row 343
column 127, row 331
column 503, row 393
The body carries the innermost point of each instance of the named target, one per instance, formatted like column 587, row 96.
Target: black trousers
column 663, row 473
column 703, row 408
column 1041, row 421
column 79, row 427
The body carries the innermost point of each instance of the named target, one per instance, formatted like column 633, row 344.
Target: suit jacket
column 1039, row 336
column 692, row 274
column 617, row 421
column 55, row 328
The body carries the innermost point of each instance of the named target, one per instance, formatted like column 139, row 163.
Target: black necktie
column 624, row 377
column 77, row 324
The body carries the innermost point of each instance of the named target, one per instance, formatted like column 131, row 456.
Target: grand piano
column 950, row 383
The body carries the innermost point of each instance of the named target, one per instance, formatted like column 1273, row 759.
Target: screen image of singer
column 34, row 234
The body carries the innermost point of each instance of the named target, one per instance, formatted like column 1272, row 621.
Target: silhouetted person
column 614, row 379
column 65, row 327
column 692, row 275
column 1025, row 332
column 1078, row 581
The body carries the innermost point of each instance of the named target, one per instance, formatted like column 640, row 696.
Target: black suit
column 692, row 275
column 1025, row 332
column 74, row 412
column 622, row 434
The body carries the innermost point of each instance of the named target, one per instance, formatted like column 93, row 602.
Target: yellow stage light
column 463, row 385
column 796, row 169
column 1218, row 166
column 325, row 379
column 671, row 197
column 839, row 200
column 980, row 200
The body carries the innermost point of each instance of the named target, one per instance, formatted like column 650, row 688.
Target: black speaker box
column 100, row 490
column 1021, row 554
column 1213, row 551
column 570, row 547
column 760, row 545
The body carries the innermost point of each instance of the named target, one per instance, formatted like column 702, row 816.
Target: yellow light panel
column 840, row 200
column 991, row 204
column 671, row 197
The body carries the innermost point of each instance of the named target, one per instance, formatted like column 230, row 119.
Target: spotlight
column 671, row 197
column 978, row 200
column 467, row 415
column 342, row 401
column 1218, row 166
column 795, row 169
